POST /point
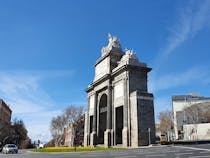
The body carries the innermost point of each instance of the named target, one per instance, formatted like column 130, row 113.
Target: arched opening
column 102, row 118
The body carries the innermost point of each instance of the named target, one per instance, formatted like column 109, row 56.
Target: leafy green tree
column 15, row 133
column 20, row 133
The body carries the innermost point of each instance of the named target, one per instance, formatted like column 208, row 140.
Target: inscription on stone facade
column 118, row 90
column 101, row 69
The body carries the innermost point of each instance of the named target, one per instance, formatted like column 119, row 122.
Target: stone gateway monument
column 120, row 109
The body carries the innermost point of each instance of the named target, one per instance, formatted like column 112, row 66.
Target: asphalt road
column 194, row 151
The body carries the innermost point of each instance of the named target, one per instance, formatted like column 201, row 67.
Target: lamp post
column 4, row 140
column 149, row 130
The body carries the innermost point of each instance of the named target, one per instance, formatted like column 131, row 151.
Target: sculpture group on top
column 113, row 44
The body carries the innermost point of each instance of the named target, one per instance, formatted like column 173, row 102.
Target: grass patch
column 73, row 149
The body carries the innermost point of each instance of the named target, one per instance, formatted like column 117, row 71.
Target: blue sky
column 48, row 49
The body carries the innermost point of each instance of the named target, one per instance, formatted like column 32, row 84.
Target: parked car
column 40, row 146
column 10, row 148
column 163, row 138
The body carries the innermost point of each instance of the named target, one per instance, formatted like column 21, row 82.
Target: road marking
column 198, row 156
column 192, row 148
column 125, row 156
column 204, row 152
column 169, row 151
column 116, row 154
column 160, row 155
column 145, row 153
column 90, row 155
column 183, row 153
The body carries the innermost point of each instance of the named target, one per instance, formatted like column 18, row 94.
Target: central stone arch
column 102, row 118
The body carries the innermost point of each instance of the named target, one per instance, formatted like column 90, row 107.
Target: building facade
column 5, row 113
column 179, row 104
column 74, row 133
column 197, row 131
column 120, row 109
column 69, row 135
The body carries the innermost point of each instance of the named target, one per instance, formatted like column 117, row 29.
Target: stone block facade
column 5, row 112
column 120, row 108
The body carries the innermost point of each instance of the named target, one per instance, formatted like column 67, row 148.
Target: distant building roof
column 189, row 97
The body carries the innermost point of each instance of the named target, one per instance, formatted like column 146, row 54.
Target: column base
column 86, row 138
column 107, row 138
column 112, row 137
column 125, row 137
column 93, row 138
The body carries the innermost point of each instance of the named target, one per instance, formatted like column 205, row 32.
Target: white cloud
column 192, row 19
column 193, row 75
column 29, row 101
column 23, row 92
column 201, row 17
column 159, row 84
column 38, row 123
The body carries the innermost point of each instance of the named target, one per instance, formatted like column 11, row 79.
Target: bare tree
column 206, row 113
column 78, row 126
column 75, row 116
column 166, row 123
column 197, row 113
column 57, row 129
column 71, row 115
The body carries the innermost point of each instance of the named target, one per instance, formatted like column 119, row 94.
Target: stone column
column 125, row 116
column 93, row 136
column 107, row 134
column 86, row 130
column 113, row 118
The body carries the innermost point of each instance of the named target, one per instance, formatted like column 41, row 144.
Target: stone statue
column 130, row 54
column 113, row 44
column 129, row 58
